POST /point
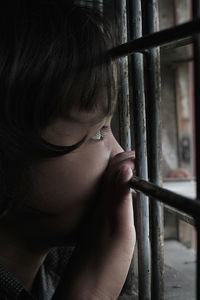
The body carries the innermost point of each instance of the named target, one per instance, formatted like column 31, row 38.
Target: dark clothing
column 46, row 282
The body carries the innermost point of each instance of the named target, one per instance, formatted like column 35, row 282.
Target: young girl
column 66, row 223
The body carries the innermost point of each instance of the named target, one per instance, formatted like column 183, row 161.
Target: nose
column 115, row 148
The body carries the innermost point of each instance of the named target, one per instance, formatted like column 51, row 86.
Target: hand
column 100, row 263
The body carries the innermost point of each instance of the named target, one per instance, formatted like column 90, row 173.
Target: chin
column 58, row 237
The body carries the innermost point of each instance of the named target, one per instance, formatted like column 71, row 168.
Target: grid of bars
column 146, row 41
column 147, row 124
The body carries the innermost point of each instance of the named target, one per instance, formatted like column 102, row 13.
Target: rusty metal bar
column 196, row 6
column 157, row 39
column 182, row 216
column 139, row 117
column 196, row 47
column 125, row 135
column 177, row 44
column 187, row 205
column 153, row 97
column 124, row 112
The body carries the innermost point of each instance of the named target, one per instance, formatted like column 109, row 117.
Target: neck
column 20, row 259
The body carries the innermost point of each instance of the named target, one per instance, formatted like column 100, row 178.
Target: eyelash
column 101, row 133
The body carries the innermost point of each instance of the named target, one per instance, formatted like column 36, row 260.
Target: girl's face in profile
column 64, row 185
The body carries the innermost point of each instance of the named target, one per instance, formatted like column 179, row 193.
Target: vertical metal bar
column 125, row 136
column 196, row 47
column 124, row 112
column 142, row 222
column 196, row 13
column 154, row 151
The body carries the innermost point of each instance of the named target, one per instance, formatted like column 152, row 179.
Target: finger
column 114, row 168
column 122, row 156
column 122, row 179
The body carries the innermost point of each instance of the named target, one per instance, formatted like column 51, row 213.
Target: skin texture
column 66, row 186
column 84, row 197
column 100, row 263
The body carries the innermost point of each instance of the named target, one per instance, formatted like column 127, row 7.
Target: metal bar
column 154, row 152
column 197, row 96
column 124, row 113
column 157, row 39
column 196, row 47
column 125, row 135
column 182, row 216
column 177, row 44
column 139, row 117
column 187, row 205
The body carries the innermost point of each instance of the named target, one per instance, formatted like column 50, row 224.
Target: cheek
column 65, row 184
column 63, row 189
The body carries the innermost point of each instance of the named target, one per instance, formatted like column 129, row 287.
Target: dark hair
column 53, row 57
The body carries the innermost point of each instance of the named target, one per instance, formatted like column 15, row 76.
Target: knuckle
column 122, row 156
column 129, row 162
column 120, row 161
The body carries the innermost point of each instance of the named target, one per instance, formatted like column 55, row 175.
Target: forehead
column 76, row 121
column 86, row 118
